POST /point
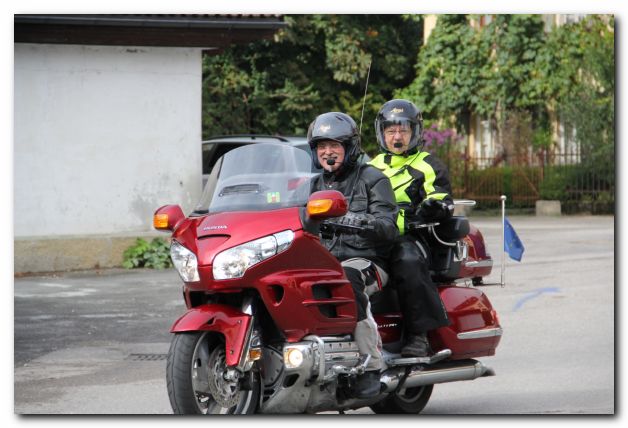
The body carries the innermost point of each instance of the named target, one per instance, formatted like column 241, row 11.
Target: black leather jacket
column 368, row 191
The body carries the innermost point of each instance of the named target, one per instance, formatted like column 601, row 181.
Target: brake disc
column 225, row 393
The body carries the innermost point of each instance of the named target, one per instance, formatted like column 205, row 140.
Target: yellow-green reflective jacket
column 414, row 178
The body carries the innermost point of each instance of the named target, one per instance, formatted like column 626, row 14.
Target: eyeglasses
column 331, row 145
column 392, row 132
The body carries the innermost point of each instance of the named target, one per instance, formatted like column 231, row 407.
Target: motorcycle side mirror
column 326, row 204
column 168, row 217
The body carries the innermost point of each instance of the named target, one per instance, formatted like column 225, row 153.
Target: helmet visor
column 403, row 127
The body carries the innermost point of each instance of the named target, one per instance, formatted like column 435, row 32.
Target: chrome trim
column 430, row 375
column 467, row 202
column 245, row 363
column 480, row 263
column 321, row 356
column 433, row 232
column 461, row 252
column 345, row 338
column 418, row 244
column 396, row 360
column 479, row 334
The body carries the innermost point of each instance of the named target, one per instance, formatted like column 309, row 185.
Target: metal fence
column 581, row 186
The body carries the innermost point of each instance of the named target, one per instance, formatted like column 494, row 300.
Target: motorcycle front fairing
column 320, row 300
column 258, row 194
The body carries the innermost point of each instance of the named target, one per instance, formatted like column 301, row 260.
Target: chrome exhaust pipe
column 444, row 372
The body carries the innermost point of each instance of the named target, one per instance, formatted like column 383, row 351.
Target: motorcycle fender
column 226, row 320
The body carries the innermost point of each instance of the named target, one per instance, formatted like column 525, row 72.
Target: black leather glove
column 363, row 223
column 433, row 209
column 353, row 219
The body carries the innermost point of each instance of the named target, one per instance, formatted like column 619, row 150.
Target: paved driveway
column 94, row 342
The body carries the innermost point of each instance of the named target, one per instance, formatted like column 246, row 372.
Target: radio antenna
column 368, row 74
column 361, row 153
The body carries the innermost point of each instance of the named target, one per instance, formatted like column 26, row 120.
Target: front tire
column 407, row 401
column 194, row 374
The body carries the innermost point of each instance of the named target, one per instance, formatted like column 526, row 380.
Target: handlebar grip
column 344, row 228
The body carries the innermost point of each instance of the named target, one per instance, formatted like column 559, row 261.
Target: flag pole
column 503, row 251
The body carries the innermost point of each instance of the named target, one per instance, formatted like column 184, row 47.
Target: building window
column 485, row 20
column 484, row 148
column 570, row 18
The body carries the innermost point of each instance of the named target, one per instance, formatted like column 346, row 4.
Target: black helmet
column 399, row 112
column 338, row 127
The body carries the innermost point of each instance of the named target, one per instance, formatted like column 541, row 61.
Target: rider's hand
column 433, row 209
column 353, row 219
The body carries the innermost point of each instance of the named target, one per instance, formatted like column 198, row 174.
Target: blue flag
column 512, row 243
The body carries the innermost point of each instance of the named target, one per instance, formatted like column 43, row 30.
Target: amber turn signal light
column 160, row 221
column 319, row 206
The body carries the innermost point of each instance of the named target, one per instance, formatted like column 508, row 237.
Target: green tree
column 489, row 71
column 447, row 72
column 582, row 82
column 318, row 63
column 524, row 78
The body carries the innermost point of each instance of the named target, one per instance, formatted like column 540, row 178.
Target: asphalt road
column 95, row 342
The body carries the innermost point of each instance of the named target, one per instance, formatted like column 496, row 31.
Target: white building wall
column 103, row 136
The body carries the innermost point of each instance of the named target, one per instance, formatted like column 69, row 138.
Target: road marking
column 533, row 295
column 53, row 284
column 63, row 294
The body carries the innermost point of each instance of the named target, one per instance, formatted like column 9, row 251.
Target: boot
column 416, row 346
column 367, row 385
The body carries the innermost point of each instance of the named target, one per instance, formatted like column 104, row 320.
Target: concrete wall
column 102, row 137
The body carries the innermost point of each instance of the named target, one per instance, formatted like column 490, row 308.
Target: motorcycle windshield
column 258, row 177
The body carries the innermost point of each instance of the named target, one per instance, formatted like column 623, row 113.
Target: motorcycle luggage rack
column 439, row 356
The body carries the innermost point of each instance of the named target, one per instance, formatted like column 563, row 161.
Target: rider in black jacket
column 335, row 145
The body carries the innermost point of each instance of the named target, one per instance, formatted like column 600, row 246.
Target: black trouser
column 420, row 303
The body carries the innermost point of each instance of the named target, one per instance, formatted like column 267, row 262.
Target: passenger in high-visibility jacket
column 422, row 190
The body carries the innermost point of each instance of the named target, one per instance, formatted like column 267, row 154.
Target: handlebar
column 333, row 228
column 415, row 225
column 337, row 228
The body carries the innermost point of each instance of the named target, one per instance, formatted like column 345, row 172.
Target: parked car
column 215, row 147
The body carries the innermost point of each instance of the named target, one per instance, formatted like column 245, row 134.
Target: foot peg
column 439, row 356
column 357, row 370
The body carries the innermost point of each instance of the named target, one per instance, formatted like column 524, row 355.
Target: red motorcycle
column 271, row 314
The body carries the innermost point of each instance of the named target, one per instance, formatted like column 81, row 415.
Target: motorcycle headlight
column 232, row 263
column 185, row 262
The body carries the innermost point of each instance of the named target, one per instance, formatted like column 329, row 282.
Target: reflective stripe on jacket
column 414, row 178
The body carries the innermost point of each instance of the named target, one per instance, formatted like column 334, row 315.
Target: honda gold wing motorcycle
column 270, row 313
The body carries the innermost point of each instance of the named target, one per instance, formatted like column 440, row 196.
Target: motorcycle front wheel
column 195, row 377
column 407, row 401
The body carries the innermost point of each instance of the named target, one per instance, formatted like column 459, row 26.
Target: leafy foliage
column 448, row 147
column 522, row 77
column 318, row 63
column 447, row 70
column 587, row 100
column 514, row 71
column 487, row 72
column 155, row 254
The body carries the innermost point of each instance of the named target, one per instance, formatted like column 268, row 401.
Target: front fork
column 251, row 346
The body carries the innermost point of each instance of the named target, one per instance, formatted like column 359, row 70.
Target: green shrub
column 155, row 255
column 556, row 182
